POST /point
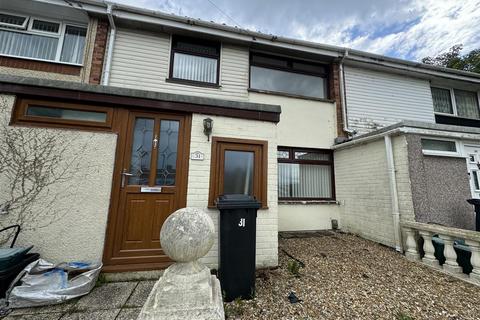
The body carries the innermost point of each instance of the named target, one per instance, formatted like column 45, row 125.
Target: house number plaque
column 197, row 155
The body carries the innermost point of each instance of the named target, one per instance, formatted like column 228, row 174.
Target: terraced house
column 139, row 113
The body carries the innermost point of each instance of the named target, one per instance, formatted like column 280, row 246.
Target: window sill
column 193, row 83
column 442, row 154
column 308, row 202
column 289, row 95
column 42, row 60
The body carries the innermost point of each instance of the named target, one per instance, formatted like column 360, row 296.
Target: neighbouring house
column 112, row 117
column 414, row 155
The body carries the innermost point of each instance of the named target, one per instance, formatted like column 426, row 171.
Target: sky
column 406, row 29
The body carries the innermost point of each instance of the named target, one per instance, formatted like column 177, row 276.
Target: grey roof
column 142, row 94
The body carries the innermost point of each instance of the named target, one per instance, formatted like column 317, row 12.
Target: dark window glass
column 167, row 153
column 238, row 172
column 438, row 145
column 309, row 68
column 288, row 82
column 195, row 60
column 270, row 61
column 475, row 180
column 13, row 20
column 140, row 161
column 45, row 26
column 67, row 114
column 195, row 47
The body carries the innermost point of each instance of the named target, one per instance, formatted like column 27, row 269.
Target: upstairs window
column 288, row 76
column 41, row 39
column 13, row 21
column 195, row 60
column 456, row 102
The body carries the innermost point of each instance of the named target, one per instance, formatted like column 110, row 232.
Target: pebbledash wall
column 440, row 187
column 141, row 61
column 363, row 189
column 77, row 230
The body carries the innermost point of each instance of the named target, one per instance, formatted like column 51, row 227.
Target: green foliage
column 455, row 60
column 294, row 268
column 235, row 308
column 403, row 316
column 101, row 280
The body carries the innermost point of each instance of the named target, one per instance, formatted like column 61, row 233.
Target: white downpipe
column 393, row 193
column 343, row 98
column 111, row 42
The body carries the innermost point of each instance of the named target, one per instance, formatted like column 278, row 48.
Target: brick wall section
column 199, row 177
column 99, row 49
column 334, row 90
column 44, row 66
column 363, row 189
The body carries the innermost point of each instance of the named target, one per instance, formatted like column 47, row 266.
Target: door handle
column 125, row 174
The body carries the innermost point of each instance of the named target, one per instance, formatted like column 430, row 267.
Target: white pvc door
column 473, row 165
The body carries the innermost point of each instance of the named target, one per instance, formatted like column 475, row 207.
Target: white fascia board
column 94, row 8
column 441, row 133
column 408, row 130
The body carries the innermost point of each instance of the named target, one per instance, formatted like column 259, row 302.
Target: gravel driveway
column 347, row 277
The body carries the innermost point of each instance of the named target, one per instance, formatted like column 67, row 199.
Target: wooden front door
column 151, row 174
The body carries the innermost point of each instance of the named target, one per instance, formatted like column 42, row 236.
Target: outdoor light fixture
column 207, row 127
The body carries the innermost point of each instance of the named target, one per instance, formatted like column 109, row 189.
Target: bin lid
column 236, row 201
column 474, row 201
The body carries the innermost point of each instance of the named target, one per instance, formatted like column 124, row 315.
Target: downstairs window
column 305, row 174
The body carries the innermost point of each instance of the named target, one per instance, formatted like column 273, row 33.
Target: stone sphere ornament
column 187, row 235
column 186, row 290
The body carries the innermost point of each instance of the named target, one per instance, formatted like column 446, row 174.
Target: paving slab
column 42, row 316
column 140, row 294
column 129, row 314
column 107, row 296
column 92, row 315
column 56, row 308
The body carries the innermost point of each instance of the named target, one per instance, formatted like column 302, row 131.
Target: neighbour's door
column 152, row 185
column 473, row 165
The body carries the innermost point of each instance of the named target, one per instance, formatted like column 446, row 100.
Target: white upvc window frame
column 60, row 35
column 455, row 154
column 40, row 32
column 454, row 101
column 9, row 26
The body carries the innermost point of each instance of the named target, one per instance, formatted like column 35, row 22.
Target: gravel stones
column 347, row 277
